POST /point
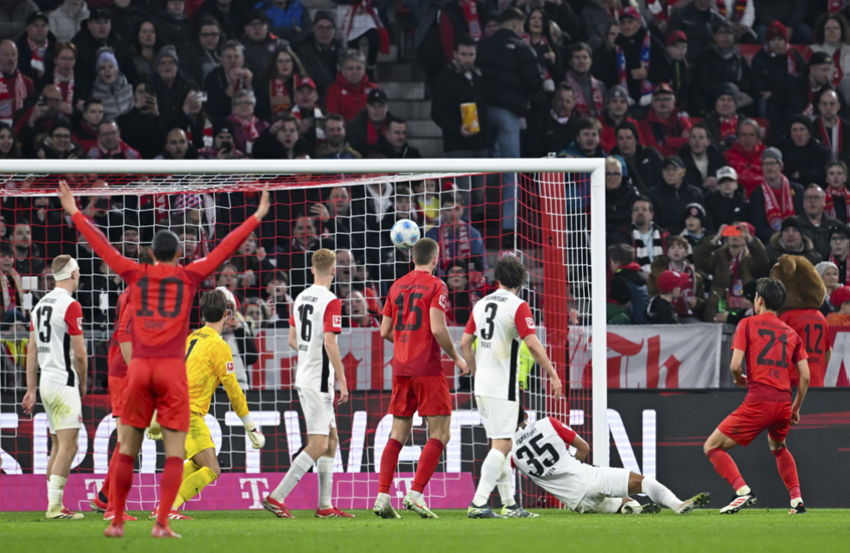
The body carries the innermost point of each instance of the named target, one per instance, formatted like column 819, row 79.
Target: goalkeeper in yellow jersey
column 209, row 362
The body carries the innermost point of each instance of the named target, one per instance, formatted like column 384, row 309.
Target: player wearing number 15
column 415, row 322
column 501, row 322
column 162, row 295
column 771, row 348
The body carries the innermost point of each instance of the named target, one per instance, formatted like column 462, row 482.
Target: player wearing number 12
column 162, row 295
column 414, row 320
column 501, row 322
column 771, row 348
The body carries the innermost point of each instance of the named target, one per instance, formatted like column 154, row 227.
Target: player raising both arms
column 162, row 296
column 415, row 321
column 541, row 452
column 500, row 322
column 209, row 362
column 771, row 349
column 120, row 352
column 57, row 347
column 315, row 308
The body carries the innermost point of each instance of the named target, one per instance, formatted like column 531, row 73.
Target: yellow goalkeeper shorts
column 198, row 438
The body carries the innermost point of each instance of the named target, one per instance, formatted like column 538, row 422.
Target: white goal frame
column 594, row 166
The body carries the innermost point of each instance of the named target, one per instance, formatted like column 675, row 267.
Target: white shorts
column 318, row 410
column 499, row 417
column 62, row 405
column 608, row 486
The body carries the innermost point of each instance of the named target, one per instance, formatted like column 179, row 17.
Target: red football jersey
column 771, row 348
column 409, row 303
column 161, row 294
column 813, row 330
column 120, row 335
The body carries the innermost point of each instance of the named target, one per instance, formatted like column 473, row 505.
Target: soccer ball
column 404, row 234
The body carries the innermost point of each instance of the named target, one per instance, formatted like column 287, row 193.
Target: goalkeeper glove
column 254, row 434
column 154, row 431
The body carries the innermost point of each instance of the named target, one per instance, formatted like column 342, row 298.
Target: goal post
column 559, row 232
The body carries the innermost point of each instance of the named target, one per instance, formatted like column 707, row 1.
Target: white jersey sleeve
column 541, row 454
column 500, row 321
column 56, row 318
column 317, row 310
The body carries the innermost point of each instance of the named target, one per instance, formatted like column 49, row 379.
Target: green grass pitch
column 751, row 530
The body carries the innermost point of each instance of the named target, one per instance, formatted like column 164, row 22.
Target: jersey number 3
column 539, row 457
column 487, row 331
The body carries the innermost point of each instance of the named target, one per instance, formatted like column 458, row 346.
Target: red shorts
column 117, row 384
column 158, row 384
column 750, row 419
column 427, row 394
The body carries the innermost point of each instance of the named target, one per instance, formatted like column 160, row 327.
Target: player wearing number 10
column 771, row 349
column 501, row 322
column 415, row 322
column 162, row 294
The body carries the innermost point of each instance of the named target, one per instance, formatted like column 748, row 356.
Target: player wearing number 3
column 771, row 349
column 162, row 295
column 415, row 322
column 500, row 322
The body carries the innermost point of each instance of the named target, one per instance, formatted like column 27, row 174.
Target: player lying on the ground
column 162, row 295
column 209, row 362
column 414, row 320
column 500, row 323
column 541, row 452
column 770, row 347
column 120, row 353
column 58, row 349
column 315, row 308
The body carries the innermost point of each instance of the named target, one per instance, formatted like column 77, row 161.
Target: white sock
column 506, row 485
column 491, row 470
column 326, row 481
column 659, row 493
column 300, row 466
column 55, row 489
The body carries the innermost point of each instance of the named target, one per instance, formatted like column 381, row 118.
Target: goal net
column 552, row 219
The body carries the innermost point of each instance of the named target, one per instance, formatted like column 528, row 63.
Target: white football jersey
column 541, row 454
column 56, row 318
column 500, row 321
column 316, row 310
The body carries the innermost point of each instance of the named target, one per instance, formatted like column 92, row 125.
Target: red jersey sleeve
column 524, row 321
column 292, row 320
column 741, row 337
column 126, row 268
column 74, row 319
column 565, row 432
column 333, row 316
column 202, row 268
column 124, row 323
column 440, row 296
column 470, row 326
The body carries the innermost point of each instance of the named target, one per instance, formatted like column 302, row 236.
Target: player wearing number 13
column 162, row 295
column 415, row 322
column 771, row 348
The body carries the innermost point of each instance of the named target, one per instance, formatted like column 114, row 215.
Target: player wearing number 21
column 315, row 322
column 56, row 345
column 500, row 322
column 771, row 349
column 162, row 295
column 414, row 320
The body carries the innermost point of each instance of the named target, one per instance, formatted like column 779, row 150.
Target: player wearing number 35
column 162, row 295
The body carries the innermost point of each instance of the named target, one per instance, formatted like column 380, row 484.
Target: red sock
column 105, row 488
column 172, row 476
column 788, row 471
column 389, row 462
column 428, row 461
column 122, row 482
column 726, row 467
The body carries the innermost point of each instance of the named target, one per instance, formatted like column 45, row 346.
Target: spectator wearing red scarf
column 459, row 241
column 775, row 199
column 348, row 95
column 745, row 155
column 663, row 128
column 14, row 86
column 365, row 130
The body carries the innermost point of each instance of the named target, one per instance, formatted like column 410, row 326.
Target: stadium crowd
column 722, row 121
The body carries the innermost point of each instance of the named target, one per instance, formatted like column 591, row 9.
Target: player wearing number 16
column 415, row 322
column 500, row 322
column 771, row 348
column 162, row 295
